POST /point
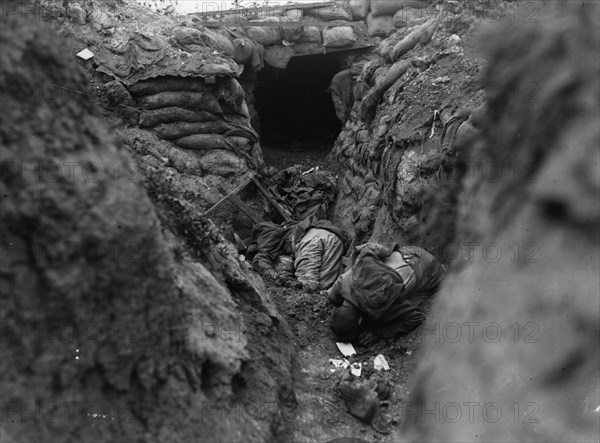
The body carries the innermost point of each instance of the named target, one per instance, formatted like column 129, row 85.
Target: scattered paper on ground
column 381, row 363
column 346, row 349
column 85, row 54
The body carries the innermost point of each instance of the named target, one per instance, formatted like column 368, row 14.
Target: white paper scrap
column 339, row 363
column 346, row 349
column 381, row 363
column 356, row 368
column 85, row 54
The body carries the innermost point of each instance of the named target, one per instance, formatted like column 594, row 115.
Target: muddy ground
column 321, row 413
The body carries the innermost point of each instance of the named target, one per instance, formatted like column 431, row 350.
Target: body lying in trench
column 379, row 295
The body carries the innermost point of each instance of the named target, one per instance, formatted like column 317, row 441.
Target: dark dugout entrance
column 294, row 104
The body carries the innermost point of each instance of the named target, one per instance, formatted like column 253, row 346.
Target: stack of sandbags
column 198, row 114
column 338, row 37
column 359, row 8
column 388, row 15
column 330, row 13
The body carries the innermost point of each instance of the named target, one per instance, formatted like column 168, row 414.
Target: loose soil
column 321, row 414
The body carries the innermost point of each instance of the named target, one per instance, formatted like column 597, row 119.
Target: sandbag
column 230, row 95
column 224, row 43
column 381, row 8
column 186, row 36
column 195, row 101
column 294, row 14
column 311, row 34
column 265, row 35
column 172, row 131
column 422, row 34
column 278, row 56
column 257, row 62
column 223, row 163
column 244, row 47
column 172, row 115
column 369, row 103
column 379, row 26
column 330, row 13
column 338, row 37
column 359, row 8
column 387, row 46
column 305, row 48
column 342, row 93
column 205, row 142
column 411, row 17
column 402, row 16
column 160, row 84
column 291, row 33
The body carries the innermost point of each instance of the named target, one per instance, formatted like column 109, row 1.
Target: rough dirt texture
column 396, row 163
column 321, row 413
column 529, row 369
column 125, row 316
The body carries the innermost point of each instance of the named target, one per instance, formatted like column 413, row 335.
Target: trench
column 182, row 278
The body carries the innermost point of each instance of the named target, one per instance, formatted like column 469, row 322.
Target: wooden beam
column 235, row 191
column 233, row 198
column 276, row 205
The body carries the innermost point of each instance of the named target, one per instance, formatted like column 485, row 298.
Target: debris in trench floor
column 326, row 410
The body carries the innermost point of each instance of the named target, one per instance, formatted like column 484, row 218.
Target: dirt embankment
column 513, row 350
column 125, row 316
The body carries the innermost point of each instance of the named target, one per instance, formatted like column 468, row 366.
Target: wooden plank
column 276, row 205
column 275, row 8
column 235, row 191
column 233, row 198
